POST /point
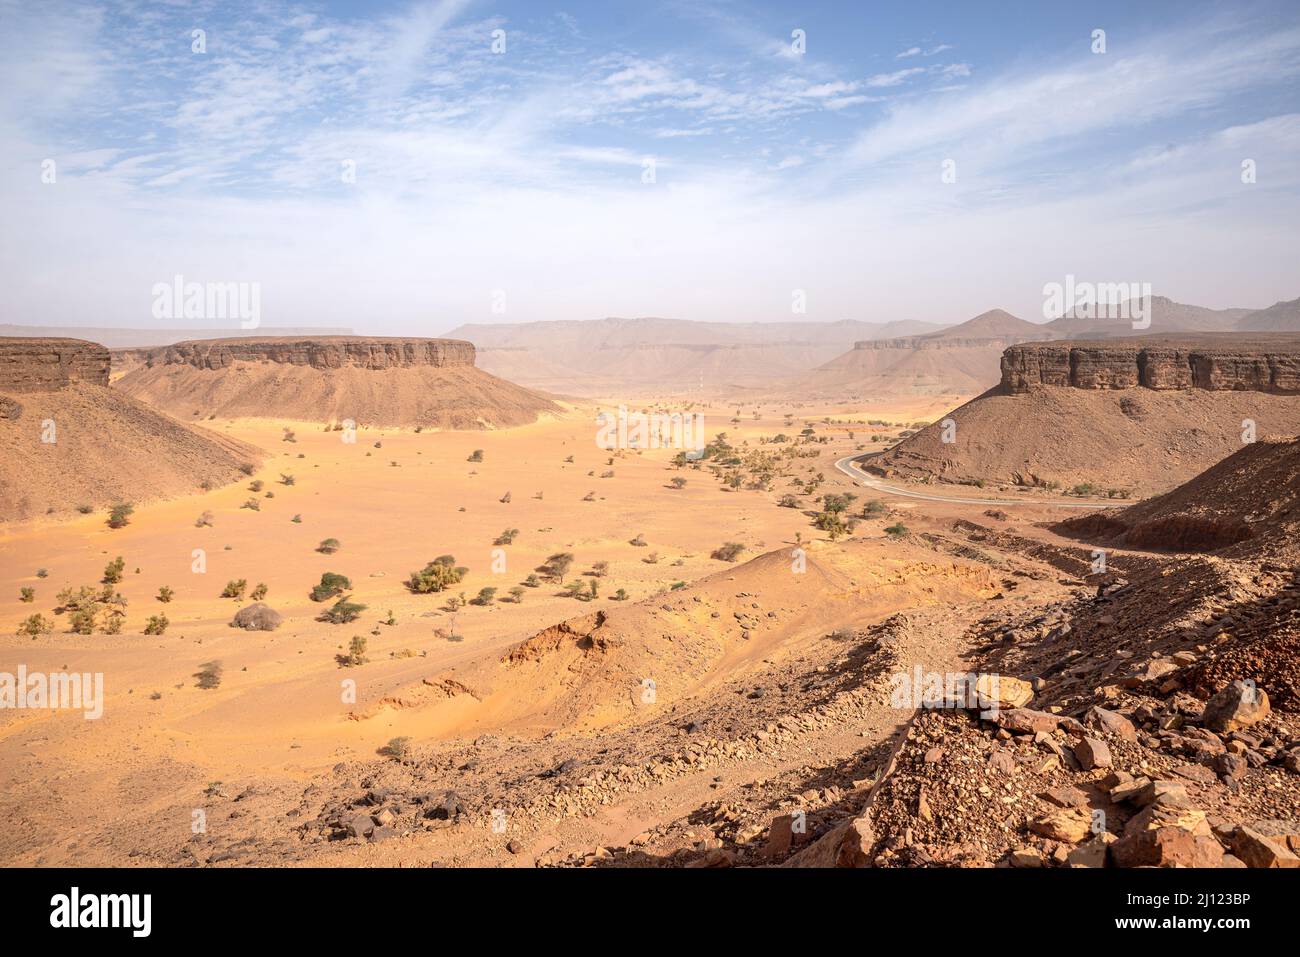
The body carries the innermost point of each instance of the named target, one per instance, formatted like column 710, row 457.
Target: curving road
column 847, row 466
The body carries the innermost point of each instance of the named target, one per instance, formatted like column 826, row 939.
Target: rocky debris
column 1237, row 706
column 1092, row 753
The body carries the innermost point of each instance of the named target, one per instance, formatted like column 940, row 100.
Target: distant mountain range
column 141, row 338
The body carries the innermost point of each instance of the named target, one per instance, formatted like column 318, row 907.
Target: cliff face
column 325, row 352
column 46, row 365
column 936, row 342
column 1250, row 367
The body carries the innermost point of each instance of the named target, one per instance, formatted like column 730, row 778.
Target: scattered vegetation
column 34, row 626
column 27, row 594
column 156, row 625
column 235, row 588
column 113, row 571
column 331, row 585
column 728, row 552
column 329, row 546
column 165, row 594
column 119, row 516
column 342, row 612
column 507, row 537
column 475, row 456
column 436, row 576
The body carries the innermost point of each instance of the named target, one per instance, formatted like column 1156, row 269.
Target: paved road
column 847, row 466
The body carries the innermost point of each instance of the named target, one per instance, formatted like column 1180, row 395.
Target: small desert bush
column 475, row 456
column 436, row 576
column 507, row 537
column 113, row 571
column 484, row 596
column 728, row 552
column 165, row 594
column 119, row 516
column 600, row 569
column 203, row 520
column 27, row 594
column 286, row 479
column 639, row 541
column 256, row 485
column 399, row 749
column 897, row 530
column 517, row 594
column 873, row 507
column 156, row 625
column 35, row 625
column 356, row 652
column 85, row 509
column 557, row 566
column 331, row 584
column 342, row 612
column 259, row 592
column 678, row 482
column 253, row 505
column 329, row 546
column 235, row 588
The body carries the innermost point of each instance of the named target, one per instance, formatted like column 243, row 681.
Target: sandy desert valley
column 646, row 656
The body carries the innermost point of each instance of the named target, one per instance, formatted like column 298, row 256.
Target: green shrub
column 436, row 576
column 113, row 571
column 34, row 626
column 234, row 588
column 342, row 612
column 27, row 594
column 165, row 594
column 119, row 516
column 156, row 625
column 331, row 585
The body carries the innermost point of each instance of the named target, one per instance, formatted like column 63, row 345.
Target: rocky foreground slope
column 371, row 381
column 67, row 440
column 1136, row 417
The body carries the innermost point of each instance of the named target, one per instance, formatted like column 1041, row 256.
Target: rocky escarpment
column 431, row 383
column 1266, row 365
column 323, row 352
column 48, row 364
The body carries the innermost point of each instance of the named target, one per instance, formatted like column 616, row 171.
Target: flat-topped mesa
column 47, row 365
column 1265, row 365
column 318, row 352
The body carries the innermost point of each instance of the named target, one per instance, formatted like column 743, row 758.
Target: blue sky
column 520, row 177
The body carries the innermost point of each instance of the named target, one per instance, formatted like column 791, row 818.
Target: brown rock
column 845, row 846
column 1257, row 848
column 1092, row 753
column 1239, row 705
column 1111, row 722
column 1070, row 825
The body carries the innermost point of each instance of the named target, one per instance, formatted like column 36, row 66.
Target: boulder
column 848, row 845
column 1111, row 722
column 1237, row 706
